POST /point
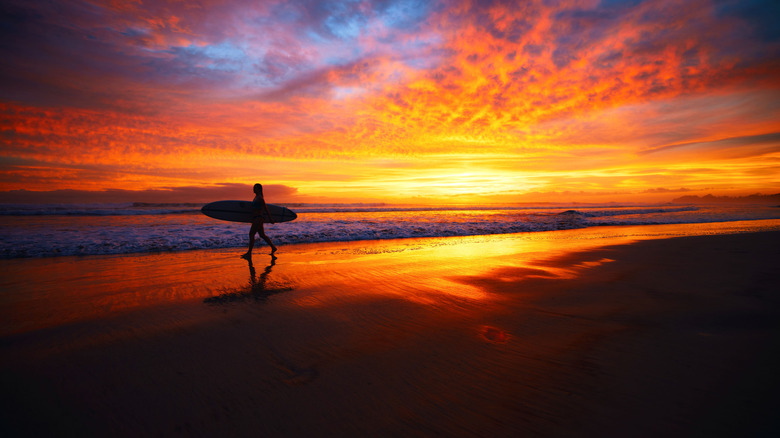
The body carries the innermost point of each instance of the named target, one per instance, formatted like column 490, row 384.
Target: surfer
column 257, row 224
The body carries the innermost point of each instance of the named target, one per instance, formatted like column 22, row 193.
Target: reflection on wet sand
column 258, row 288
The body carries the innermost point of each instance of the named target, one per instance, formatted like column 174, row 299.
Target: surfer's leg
column 252, row 231
column 261, row 232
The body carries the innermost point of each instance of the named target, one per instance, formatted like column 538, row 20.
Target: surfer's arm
column 265, row 207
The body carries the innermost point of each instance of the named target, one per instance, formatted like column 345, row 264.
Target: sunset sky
column 389, row 101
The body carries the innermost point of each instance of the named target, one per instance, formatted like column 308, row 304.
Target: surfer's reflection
column 258, row 288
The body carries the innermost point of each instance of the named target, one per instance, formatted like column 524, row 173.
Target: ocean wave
column 146, row 208
column 638, row 211
column 64, row 235
column 168, row 237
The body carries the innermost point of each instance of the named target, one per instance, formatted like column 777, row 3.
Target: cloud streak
column 182, row 194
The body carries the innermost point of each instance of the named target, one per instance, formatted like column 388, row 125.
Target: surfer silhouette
column 257, row 225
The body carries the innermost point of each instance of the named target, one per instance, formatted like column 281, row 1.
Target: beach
column 652, row 330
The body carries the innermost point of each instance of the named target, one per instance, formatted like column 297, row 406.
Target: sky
column 388, row 101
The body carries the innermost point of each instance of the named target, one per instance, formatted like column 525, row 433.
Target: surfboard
column 244, row 211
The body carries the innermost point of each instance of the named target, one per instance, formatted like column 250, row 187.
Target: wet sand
column 607, row 332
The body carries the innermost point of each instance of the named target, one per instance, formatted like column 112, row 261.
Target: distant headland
column 756, row 198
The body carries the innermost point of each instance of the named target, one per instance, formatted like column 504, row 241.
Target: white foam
column 152, row 228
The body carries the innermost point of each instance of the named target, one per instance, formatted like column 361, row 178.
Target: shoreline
column 593, row 332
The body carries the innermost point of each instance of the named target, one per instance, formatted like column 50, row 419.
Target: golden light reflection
column 446, row 273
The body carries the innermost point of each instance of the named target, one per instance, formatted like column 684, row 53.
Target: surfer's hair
column 258, row 187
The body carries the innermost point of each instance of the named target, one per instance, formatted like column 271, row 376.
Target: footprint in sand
column 494, row 334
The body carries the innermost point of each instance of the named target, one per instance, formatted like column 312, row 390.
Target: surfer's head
column 258, row 189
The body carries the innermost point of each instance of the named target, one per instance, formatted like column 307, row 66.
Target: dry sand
column 610, row 332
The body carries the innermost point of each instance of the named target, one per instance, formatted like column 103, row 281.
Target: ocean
column 101, row 229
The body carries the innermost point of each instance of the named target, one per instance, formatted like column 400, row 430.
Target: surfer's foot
column 247, row 256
